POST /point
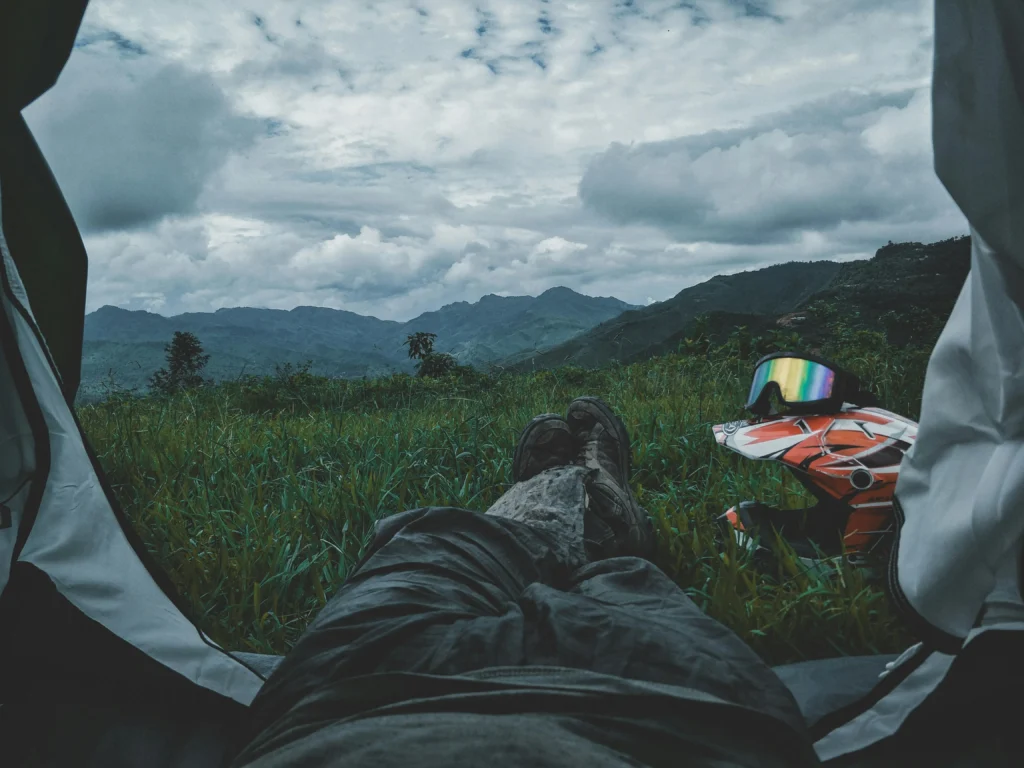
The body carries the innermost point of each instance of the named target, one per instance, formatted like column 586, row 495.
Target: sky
column 389, row 157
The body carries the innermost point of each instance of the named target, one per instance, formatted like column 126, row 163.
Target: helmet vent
column 861, row 479
column 803, row 427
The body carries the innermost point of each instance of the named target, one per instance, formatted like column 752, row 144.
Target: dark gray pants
column 446, row 593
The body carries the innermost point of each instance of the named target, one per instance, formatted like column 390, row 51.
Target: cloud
column 779, row 179
column 392, row 157
column 131, row 146
column 370, row 267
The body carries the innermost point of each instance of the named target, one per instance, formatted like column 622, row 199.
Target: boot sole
column 526, row 441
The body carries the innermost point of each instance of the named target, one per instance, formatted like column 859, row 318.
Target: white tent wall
column 75, row 537
column 960, row 496
column 961, row 487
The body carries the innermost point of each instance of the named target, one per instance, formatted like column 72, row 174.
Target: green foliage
column 420, row 344
column 431, row 364
column 740, row 343
column 113, row 390
column 185, row 363
column 259, row 496
column 698, row 340
column 436, row 364
column 912, row 324
column 891, row 368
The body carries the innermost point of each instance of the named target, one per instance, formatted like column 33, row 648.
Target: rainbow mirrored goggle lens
column 799, row 381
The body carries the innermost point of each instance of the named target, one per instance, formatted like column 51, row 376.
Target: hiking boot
column 617, row 524
column 546, row 442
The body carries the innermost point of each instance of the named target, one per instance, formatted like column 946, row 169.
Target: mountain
column 904, row 289
column 907, row 289
column 125, row 347
column 912, row 283
column 495, row 327
column 643, row 332
column 342, row 343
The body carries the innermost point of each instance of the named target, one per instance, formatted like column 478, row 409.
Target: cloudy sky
column 392, row 156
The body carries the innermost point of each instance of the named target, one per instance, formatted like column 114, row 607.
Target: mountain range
column 903, row 287
column 122, row 348
column 753, row 298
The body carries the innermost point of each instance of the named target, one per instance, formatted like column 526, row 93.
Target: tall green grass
column 259, row 497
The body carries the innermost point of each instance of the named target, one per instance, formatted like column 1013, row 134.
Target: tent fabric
column 63, row 518
column 262, row 663
column 958, row 499
column 19, row 457
column 67, row 526
column 825, row 686
column 971, row 718
column 77, row 695
column 46, row 247
column 36, row 38
column 891, row 711
column 961, row 488
column 994, row 654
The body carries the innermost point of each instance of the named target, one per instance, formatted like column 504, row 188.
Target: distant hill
column 912, row 283
column 644, row 332
column 906, row 289
column 496, row 327
column 902, row 287
column 127, row 346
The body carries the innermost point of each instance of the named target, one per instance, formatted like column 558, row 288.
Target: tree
column 185, row 363
column 420, row 344
column 431, row 363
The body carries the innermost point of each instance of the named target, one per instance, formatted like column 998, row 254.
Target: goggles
column 801, row 382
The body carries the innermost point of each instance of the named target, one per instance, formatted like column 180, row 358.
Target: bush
column 435, row 365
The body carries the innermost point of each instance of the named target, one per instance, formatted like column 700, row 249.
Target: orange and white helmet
column 849, row 458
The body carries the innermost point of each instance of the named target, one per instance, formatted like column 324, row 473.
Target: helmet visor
column 799, row 381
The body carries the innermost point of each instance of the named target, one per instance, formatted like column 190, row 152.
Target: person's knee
column 388, row 527
column 618, row 565
column 626, row 580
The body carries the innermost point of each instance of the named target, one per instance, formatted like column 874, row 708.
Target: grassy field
column 258, row 497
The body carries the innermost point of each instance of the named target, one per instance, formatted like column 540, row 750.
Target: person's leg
column 650, row 629
column 439, row 590
column 448, row 591
column 624, row 617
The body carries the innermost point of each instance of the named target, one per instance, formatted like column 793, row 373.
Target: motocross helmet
column 843, row 448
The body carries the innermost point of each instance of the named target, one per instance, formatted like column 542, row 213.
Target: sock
column 554, row 502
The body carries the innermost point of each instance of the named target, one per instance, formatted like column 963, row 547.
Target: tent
column 100, row 663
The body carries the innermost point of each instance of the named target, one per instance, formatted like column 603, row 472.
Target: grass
column 259, row 497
